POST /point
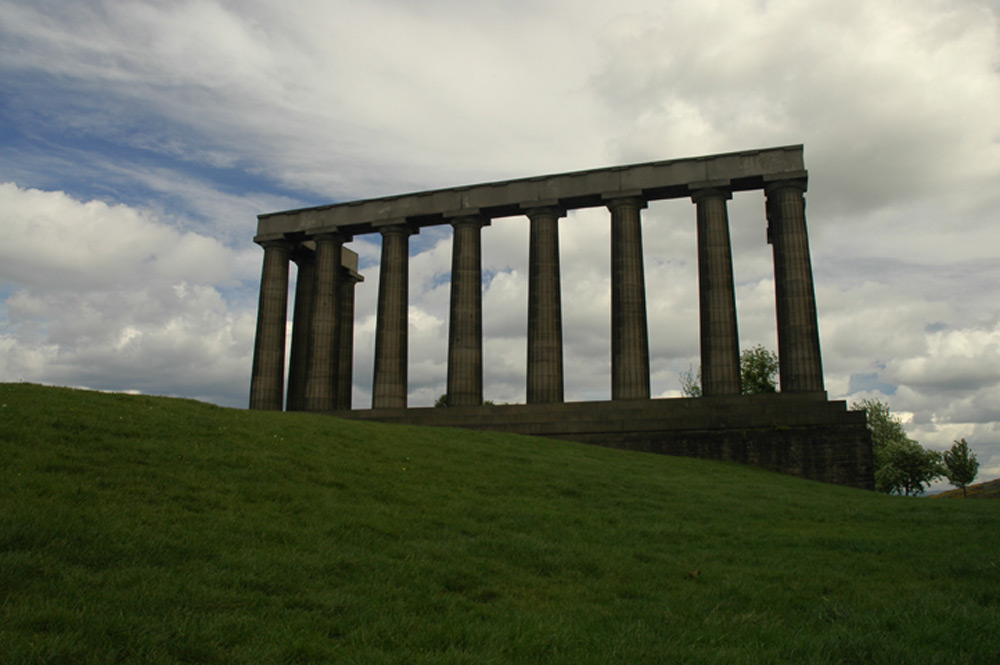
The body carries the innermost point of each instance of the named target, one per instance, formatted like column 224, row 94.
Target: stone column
column 345, row 339
column 298, row 364
column 545, row 343
column 322, row 382
column 799, row 360
column 268, row 376
column 465, row 323
column 389, row 383
column 720, row 344
column 629, row 332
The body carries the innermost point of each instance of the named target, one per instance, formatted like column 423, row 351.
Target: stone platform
column 801, row 434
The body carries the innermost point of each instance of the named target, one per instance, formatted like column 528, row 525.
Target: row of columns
column 322, row 337
column 321, row 362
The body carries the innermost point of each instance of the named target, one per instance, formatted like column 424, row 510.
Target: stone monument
column 797, row 430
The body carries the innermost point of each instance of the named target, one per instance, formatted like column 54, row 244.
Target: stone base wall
column 801, row 434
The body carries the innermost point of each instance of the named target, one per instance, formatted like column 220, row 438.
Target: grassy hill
column 987, row 490
column 152, row 530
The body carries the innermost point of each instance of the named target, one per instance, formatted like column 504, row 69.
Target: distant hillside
column 987, row 490
column 149, row 530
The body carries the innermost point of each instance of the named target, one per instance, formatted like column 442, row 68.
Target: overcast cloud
column 141, row 139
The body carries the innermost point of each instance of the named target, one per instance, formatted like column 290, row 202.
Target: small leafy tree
column 902, row 466
column 691, row 383
column 443, row 401
column 960, row 465
column 758, row 369
column 915, row 466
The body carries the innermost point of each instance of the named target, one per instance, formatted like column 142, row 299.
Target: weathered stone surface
column 298, row 365
column 390, row 377
column 321, row 384
column 720, row 344
column 652, row 181
column 545, row 341
column 267, row 377
column 801, row 434
column 801, row 368
column 465, row 322
column 629, row 331
column 349, row 279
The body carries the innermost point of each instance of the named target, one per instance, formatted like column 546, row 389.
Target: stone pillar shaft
column 629, row 331
column 720, row 345
column 345, row 340
column 545, row 340
column 268, row 376
column 322, row 382
column 799, row 361
column 389, row 383
column 465, row 323
column 298, row 364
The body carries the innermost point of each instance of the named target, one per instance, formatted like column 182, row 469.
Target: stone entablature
column 652, row 181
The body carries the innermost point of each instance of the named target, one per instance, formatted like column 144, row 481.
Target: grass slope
column 143, row 529
column 988, row 490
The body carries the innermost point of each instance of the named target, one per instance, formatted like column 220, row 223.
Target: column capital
column 632, row 199
column 468, row 219
column 701, row 193
column 332, row 236
column 276, row 243
column 399, row 228
column 543, row 208
column 774, row 183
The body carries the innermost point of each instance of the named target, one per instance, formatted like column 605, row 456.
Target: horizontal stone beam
column 677, row 178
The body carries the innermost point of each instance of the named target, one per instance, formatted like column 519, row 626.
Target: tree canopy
column 902, row 466
column 960, row 465
column 758, row 372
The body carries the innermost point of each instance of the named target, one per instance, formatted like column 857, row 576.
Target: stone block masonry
column 798, row 436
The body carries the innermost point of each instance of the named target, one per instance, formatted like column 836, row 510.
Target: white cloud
column 108, row 297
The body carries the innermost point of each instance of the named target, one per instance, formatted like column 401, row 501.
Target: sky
column 141, row 139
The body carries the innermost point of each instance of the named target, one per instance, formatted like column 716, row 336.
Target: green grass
column 152, row 530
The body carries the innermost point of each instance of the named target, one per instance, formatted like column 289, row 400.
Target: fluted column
column 799, row 361
column 389, row 383
column 465, row 323
column 298, row 362
column 629, row 332
column 322, row 382
column 720, row 345
column 545, row 340
column 268, row 375
column 345, row 339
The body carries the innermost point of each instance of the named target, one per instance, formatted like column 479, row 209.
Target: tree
column 758, row 367
column 960, row 465
column 691, row 383
column 902, row 466
column 443, row 401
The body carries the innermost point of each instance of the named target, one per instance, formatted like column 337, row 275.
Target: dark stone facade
column 801, row 434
